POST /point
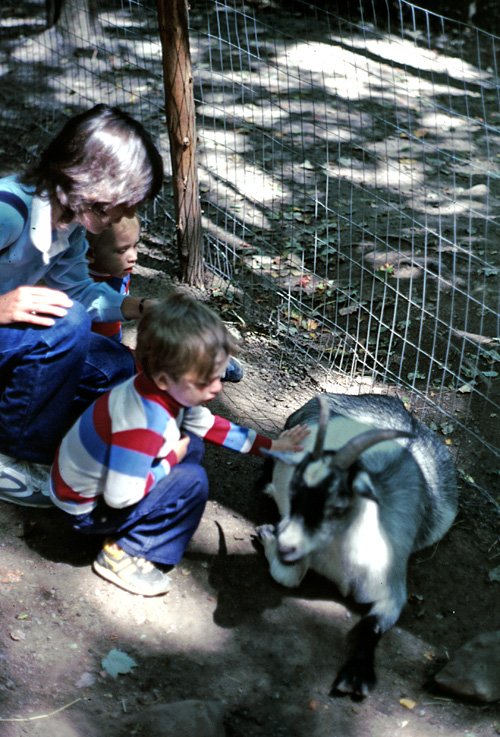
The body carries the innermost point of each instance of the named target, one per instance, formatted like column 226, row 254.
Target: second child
column 112, row 256
column 130, row 468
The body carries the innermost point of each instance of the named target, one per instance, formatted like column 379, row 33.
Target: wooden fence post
column 179, row 106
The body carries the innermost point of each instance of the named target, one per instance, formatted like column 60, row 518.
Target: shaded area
column 348, row 180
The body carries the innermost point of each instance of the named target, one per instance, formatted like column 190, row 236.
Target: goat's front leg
column 287, row 574
column 357, row 675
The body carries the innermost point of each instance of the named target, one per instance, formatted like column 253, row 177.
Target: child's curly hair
column 181, row 335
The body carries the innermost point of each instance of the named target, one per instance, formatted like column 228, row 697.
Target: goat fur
column 359, row 526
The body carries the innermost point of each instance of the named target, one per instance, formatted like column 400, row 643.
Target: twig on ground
column 41, row 716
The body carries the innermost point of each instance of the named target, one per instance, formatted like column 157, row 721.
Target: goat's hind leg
column 286, row 574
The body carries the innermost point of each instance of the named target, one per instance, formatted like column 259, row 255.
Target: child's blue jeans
column 47, row 378
column 161, row 525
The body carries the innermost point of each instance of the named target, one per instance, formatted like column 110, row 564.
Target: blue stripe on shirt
column 129, row 462
column 156, row 417
column 95, row 447
column 9, row 198
column 239, row 437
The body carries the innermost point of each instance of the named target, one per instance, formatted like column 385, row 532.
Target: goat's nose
column 286, row 551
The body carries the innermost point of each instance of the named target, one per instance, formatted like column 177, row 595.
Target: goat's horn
column 324, row 414
column 348, row 453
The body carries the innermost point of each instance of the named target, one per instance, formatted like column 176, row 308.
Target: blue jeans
column 160, row 526
column 48, row 376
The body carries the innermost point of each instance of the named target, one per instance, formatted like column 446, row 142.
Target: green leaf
column 116, row 662
column 447, row 428
column 494, row 575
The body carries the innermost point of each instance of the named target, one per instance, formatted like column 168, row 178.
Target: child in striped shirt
column 130, row 468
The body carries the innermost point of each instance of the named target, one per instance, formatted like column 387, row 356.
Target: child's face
column 97, row 218
column 117, row 255
column 190, row 391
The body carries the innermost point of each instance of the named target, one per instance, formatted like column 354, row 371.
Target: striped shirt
column 122, row 286
column 123, row 444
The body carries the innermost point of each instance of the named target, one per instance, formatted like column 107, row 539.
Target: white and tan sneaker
column 24, row 483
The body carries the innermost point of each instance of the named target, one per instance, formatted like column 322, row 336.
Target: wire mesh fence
column 348, row 168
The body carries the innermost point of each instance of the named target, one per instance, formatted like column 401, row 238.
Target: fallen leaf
column 116, row 662
column 408, row 703
column 10, row 576
column 494, row 575
column 17, row 635
column 86, row 680
column 349, row 310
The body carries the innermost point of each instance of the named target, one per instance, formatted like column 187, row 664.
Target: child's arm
column 220, row 431
column 291, row 439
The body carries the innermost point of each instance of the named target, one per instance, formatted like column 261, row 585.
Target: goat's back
column 352, row 415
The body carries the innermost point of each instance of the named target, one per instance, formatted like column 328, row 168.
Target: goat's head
column 325, row 488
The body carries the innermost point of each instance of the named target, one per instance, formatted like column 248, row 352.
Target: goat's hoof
column 265, row 533
column 353, row 682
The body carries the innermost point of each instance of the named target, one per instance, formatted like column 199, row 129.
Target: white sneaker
column 234, row 371
column 24, row 483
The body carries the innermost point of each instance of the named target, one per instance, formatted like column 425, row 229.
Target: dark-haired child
column 112, row 256
column 130, row 468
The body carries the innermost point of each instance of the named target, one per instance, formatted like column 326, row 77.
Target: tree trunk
column 75, row 21
column 179, row 105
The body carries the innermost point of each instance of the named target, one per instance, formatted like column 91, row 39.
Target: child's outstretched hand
column 291, row 439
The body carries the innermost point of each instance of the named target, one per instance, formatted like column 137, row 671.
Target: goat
column 372, row 486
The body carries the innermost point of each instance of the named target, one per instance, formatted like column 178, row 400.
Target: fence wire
column 349, row 175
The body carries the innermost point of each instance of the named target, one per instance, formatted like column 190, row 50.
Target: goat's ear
column 285, row 456
column 363, row 486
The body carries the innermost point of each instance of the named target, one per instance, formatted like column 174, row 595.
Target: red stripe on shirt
column 101, row 418
column 140, row 440
column 172, row 459
column 107, row 329
column 150, row 391
column 260, row 442
column 61, row 489
column 219, row 430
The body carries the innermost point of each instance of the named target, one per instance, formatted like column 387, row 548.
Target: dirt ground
column 226, row 631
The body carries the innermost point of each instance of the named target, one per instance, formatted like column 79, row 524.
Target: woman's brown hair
column 102, row 157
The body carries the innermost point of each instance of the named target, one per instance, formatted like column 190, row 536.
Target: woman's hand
column 291, row 439
column 34, row 305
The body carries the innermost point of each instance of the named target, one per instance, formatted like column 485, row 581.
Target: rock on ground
column 474, row 670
